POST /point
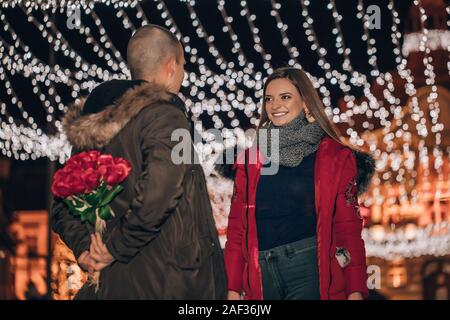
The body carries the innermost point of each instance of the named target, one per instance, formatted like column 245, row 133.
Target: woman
column 297, row 234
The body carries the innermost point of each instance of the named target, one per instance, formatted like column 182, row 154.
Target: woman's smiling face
column 283, row 102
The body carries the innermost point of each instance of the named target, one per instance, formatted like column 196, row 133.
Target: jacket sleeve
column 234, row 259
column 72, row 230
column 348, row 227
column 158, row 188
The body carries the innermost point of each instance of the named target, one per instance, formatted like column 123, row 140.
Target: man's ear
column 171, row 67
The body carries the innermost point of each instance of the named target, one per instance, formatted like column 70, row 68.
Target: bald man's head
column 149, row 48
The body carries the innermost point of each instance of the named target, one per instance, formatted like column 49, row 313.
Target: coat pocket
column 337, row 286
column 192, row 256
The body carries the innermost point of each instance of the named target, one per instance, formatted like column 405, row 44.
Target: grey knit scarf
column 297, row 139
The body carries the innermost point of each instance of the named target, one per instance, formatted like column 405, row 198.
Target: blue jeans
column 290, row 271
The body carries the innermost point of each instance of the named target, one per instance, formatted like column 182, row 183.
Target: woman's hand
column 233, row 295
column 355, row 296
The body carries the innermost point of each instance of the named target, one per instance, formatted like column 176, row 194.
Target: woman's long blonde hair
column 309, row 94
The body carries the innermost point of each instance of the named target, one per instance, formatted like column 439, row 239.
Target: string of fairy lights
column 412, row 242
column 331, row 74
column 227, row 102
column 356, row 79
column 237, row 47
column 255, row 36
column 382, row 79
column 225, row 85
column 334, row 76
column 294, row 54
column 213, row 80
column 413, row 105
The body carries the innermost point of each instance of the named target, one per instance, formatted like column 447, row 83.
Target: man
column 162, row 242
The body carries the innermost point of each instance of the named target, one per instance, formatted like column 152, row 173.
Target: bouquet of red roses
column 88, row 183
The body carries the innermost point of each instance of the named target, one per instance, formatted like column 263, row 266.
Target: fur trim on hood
column 365, row 167
column 95, row 130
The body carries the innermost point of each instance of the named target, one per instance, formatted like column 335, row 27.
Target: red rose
column 91, row 179
column 105, row 159
column 76, row 181
column 85, row 159
column 126, row 166
column 74, row 161
column 72, row 166
column 109, row 174
column 94, row 154
column 116, row 172
column 70, row 181
column 83, row 171
column 89, row 159
column 60, row 187
column 88, row 155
